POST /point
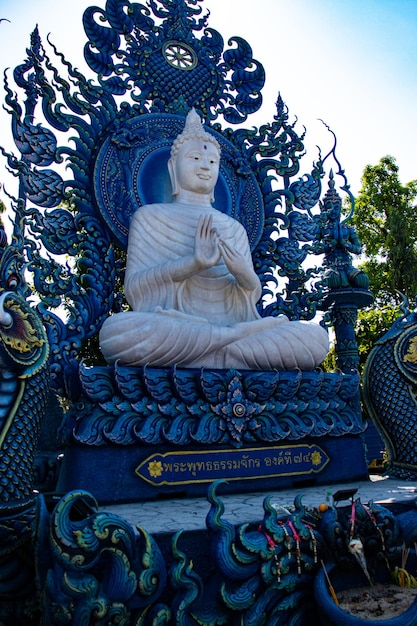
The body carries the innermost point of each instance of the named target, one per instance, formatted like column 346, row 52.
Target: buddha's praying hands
column 191, row 284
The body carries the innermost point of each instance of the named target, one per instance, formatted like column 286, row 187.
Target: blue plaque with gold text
column 185, row 467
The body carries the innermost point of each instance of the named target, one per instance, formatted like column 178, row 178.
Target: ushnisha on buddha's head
column 194, row 162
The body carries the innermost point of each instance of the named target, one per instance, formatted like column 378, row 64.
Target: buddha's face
column 197, row 166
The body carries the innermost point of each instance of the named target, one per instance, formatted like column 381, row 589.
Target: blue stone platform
column 189, row 514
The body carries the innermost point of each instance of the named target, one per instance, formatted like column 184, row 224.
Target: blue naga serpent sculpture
column 23, row 396
column 390, row 379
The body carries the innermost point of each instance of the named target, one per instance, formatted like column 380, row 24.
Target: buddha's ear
column 173, row 177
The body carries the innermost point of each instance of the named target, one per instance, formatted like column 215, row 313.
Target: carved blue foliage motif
column 254, row 571
column 154, row 53
column 126, row 405
column 102, row 570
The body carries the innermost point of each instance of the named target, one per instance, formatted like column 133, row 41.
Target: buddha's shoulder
column 162, row 212
column 148, row 212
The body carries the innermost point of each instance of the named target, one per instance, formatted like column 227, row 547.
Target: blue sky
column 352, row 63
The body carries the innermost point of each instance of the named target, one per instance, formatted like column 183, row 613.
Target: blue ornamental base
column 140, row 433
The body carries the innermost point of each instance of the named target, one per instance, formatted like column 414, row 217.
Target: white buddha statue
column 191, row 284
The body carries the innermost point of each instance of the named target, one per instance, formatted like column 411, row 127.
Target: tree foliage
column 386, row 224
column 385, row 220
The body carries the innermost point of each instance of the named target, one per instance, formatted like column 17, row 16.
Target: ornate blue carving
column 100, row 568
column 152, row 64
column 94, row 567
column 262, row 570
column 125, row 405
column 166, row 66
column 166, row 59
column 376, row 525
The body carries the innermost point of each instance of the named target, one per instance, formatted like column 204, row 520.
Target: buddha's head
column 195, row 158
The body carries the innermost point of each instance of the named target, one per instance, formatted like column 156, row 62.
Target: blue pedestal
column 116, row 474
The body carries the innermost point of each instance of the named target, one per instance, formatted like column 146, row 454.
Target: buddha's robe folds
column 201, row 319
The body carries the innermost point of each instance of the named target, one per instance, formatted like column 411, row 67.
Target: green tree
column 385, row 220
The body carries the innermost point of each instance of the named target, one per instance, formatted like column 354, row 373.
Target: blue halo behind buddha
column 131, row 171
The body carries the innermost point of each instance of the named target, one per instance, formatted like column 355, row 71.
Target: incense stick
column 331, row 589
